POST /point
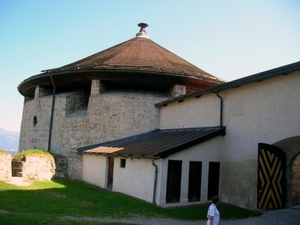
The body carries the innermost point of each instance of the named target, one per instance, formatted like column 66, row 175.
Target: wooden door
column 271, row 177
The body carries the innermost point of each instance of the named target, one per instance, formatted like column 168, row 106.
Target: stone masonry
column 84, row 117
column 40, row 167
column 5, row 166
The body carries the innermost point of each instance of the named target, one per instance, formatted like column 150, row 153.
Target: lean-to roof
column 154, row 144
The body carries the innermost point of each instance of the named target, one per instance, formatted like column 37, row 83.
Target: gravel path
column 272, row 217
column 18, row 181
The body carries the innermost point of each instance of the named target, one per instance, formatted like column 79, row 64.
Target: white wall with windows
column 258, row 112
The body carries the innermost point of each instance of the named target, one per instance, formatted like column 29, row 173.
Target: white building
column 191, row 157
column 137, row 119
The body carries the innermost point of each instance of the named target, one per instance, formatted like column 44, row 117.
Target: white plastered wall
column 94, row 170
column 266, row 111
column 136, row 179
column 208, row 151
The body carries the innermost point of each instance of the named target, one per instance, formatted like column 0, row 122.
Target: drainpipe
column 221, row 109
column 51, row 116
column 155, row 180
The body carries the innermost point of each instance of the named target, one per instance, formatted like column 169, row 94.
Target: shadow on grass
column 47, row 202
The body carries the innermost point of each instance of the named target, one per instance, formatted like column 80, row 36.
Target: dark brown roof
column 154, row 144
column 138, row 54
column 136, row 63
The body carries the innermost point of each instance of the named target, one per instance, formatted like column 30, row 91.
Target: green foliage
column 66, row 202
column 19, row 156
column 2, row 151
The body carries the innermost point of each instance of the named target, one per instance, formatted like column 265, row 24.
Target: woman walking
column 213, row 214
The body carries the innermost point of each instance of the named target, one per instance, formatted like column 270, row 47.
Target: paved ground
column 273, row 217
column 18, row 181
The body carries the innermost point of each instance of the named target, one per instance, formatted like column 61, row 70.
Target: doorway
column 194, row 193
column 213, row 179
column 110, row 174
column 271, row 177
column 174, row 181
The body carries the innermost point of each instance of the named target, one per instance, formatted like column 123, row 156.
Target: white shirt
column 214, row 212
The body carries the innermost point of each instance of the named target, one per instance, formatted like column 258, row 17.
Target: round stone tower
column 103, row 97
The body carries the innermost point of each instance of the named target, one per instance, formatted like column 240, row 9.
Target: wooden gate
column 271, row 177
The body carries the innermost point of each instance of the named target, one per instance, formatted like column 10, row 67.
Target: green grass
column 21, row 155
column 3, row 152
column 50, row 202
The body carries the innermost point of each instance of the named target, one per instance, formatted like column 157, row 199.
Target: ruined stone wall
column 40, row 167
column 80, row 120
column 5, row 166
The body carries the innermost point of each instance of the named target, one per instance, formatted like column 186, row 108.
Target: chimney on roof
column 142, row 32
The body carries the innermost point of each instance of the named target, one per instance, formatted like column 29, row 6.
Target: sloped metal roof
column 154, row 144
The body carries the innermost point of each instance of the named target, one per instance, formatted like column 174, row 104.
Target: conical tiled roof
column 138, row 54
column 136, row 63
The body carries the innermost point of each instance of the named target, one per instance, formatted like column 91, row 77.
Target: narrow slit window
column 34, row 121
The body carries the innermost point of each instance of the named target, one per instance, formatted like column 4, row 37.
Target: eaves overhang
column 154, row 79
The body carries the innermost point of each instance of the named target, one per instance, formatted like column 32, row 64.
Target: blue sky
column 228, row 39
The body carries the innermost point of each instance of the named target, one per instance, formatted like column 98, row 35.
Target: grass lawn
column 54, row 202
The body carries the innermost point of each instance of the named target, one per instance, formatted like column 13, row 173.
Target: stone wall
column 5, row 166
column 40, row 167
column 80, row 120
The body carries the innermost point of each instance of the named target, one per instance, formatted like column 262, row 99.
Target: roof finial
column 142, row 32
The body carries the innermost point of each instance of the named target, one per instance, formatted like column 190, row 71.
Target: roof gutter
column 221, row 109
column 155, row 180
column 52, row 112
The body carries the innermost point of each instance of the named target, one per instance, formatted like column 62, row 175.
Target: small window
column 123, row 163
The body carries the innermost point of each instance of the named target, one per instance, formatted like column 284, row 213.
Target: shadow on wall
column 291, row 146
column 296, row 181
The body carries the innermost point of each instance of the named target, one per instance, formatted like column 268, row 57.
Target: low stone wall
column 36, row 167
column 5, row 166
column 40, row 167
column 33, row 167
